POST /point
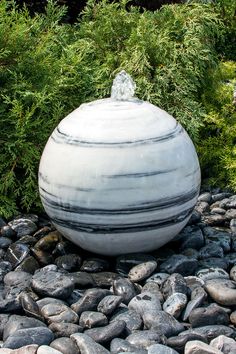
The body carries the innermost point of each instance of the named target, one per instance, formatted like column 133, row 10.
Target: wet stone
column 144, row 339
column 51, row 283
column 131, row 318
column 16, row 253
column 59, row 313
column 142, row 271
column 179, row 342
column 214, row 262
column 211, row 332
column 65, row 345
column 119, row 345
column 191, row 237
column 5, row 267
column 5, row 242
column 104, row 279
column 64, row 329
column 212, row 273
column 221, row 238
column 222, row 291
column 30, row 306
column 90, row 300
column 7, row 231
column 87, row 345
column 175, row 304
column 29, row 265
column 27, row 240
column 106, row 333
column 70, row 262
column 95, row 265
column 25, row 336
column 49, row 300
column 211, row 250
column 82, row 280
column 210, row 315
column 108, row 304
column 125, row 262
column 224, row 344
column 148, row 306
column 124, row 288
column 90, row 319
column 153, row 288
column 179, row 264
column 161, row 349
column 17, row 322
column 175, row 283
column 23, row 226
column 43, row 257
column 48, row 242
column 197, row 347
column 166, row 324
column 158, row 278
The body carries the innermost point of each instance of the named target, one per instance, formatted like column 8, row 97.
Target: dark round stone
column 95, row 265
column 125, row 262
column 16, row 253
column 124, row 288
column 210, row 315
column 179, row 264
column 5, row 242
column 69, row 262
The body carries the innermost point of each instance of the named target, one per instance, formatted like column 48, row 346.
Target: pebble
column 3, row 321
column 59, row 313
column 158, row 278
column 132, row 319
column 5, row 242
column 25, row 336
column 221, row 238
column 64, row 329
column 124, row 288
column 153, row 288
column 29, row 306
column 104, row 279
column 224, row 344
column 125, row 262
column 45, row 349
column 82, row 280
column 222, row 291
column 211, row 250
column 214, row 262
column 48, row 242
column 175, row 283
column 205, row 197
column 29, row 265
column 175, row 304
column 179, row 342
column 69, row 262
column 109, row 303
column 119, row 345
column 48, row 300
column 51, row 283
column 197, row 347
column 212, row 273
column 93, row 265
column 233, row 225
column 142, row 271
column 166, row 324
column 191, row 237
column 211, row 332
column 144, row 339
column 65, row 345
column 147, row 305
column 16, row 253
column 179, row 264
column 107, row 333
column 87, row 345
column 17, row 322
column 90, row 319
column 160, row 349
column 210, row 315
column 23, row 226
column 90, row 300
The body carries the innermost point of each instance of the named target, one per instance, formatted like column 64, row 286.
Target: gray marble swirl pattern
column 119, row 177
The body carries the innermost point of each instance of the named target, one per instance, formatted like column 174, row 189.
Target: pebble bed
column 57, row 298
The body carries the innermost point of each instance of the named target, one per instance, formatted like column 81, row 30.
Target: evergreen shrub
column 47, row 69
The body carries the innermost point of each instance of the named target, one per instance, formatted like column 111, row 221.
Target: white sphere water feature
column 119, row 175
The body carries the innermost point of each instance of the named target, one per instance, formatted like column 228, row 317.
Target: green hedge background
column 180, row 56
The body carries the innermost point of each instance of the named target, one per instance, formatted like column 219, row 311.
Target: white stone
column 119, row 176
column 225, row 344
column 198, row 347
column 45, row 349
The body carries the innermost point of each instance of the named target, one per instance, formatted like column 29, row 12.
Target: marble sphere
column 119, row 175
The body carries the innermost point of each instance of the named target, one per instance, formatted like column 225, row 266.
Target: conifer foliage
column 47, row 69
